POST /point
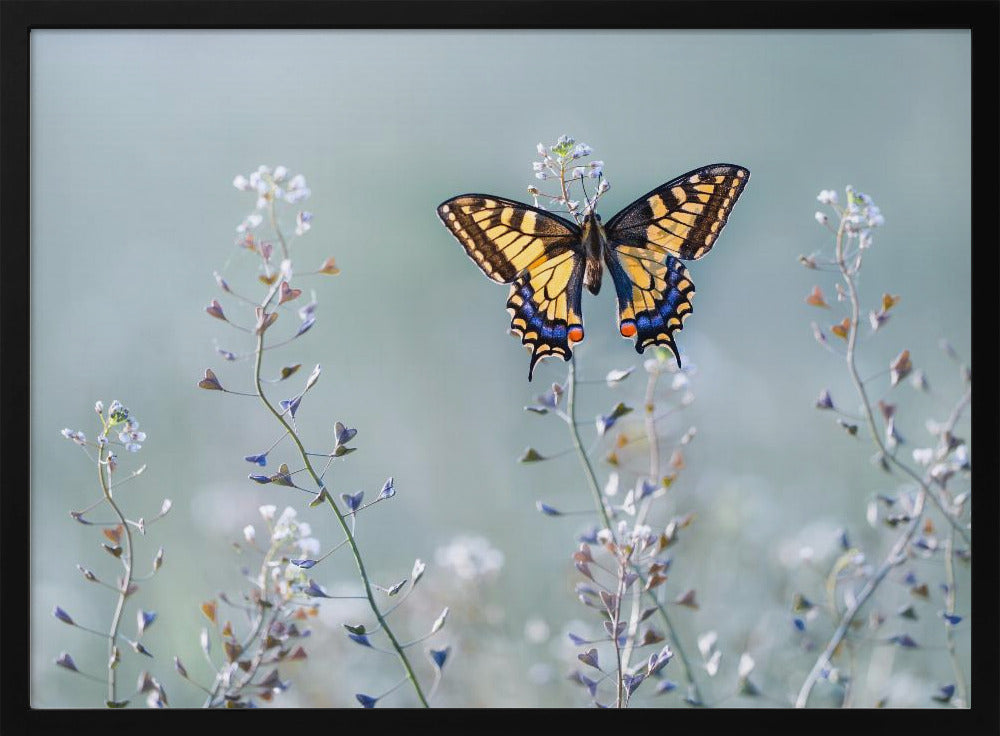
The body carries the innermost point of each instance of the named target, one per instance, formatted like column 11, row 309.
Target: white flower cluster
column 859, row 217
column 470, row 557
column 272, row 185
column 555, row 158
column 290, row 538
column 862, row 212
column 556, row 163
column 129, row 435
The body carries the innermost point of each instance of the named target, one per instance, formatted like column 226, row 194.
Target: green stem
column 897, row 553
column 859, row 386
column 588, row 469
column 369, row 594
column 896, row 556
column 274, row 225
column 616, row 617
column 653, row 441
column 126, row 578
column 595, row 489
column 262, row 624
column 949, row 567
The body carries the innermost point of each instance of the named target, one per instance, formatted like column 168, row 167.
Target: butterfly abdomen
column 593, row 239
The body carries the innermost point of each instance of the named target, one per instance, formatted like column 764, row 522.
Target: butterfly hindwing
column 654, row 296
column 538, row 253
column 544, row 305
column 679, row 219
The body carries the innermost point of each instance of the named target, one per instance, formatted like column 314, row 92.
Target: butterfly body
column 548, row 259
column 594, row 241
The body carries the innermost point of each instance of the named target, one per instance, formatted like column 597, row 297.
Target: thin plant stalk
column 588, row 468
column 949, row 568
column 262, row 623
column 896, row 556
column 615, row 618
column 126, row 582
column 341, row 518
column 897, row 553
column 859, row 385
column 602, row 511
column 653, row 440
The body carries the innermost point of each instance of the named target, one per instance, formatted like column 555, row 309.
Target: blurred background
column 135, row 140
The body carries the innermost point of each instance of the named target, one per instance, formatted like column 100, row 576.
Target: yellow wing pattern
column 679, row 219
column 545, row 257
column 544, row 306
column 682, row 217
column 505, row 237
column 538, row 253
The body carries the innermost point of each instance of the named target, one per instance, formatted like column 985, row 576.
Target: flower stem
column 961, row 695
column 588, row 468
column 595, row 489
column 897, row 553
column 341, row 518
column 103, row 474
column 615, row 619
column 896, row 556
column 859, row 386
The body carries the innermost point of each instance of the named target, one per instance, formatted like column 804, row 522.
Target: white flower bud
column 746, row 666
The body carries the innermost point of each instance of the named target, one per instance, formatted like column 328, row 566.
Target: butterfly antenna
column 590, row 205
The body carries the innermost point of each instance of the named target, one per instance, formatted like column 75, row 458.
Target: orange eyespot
column 575, row 333
column 628, row 328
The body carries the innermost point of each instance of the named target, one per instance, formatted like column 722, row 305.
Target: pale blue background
column 135, row 139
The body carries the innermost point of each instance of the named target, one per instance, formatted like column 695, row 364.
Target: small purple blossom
column 439, row 656
column 367, row 701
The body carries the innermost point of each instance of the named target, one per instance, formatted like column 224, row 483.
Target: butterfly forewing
column 505, row 237
column 684, row 216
